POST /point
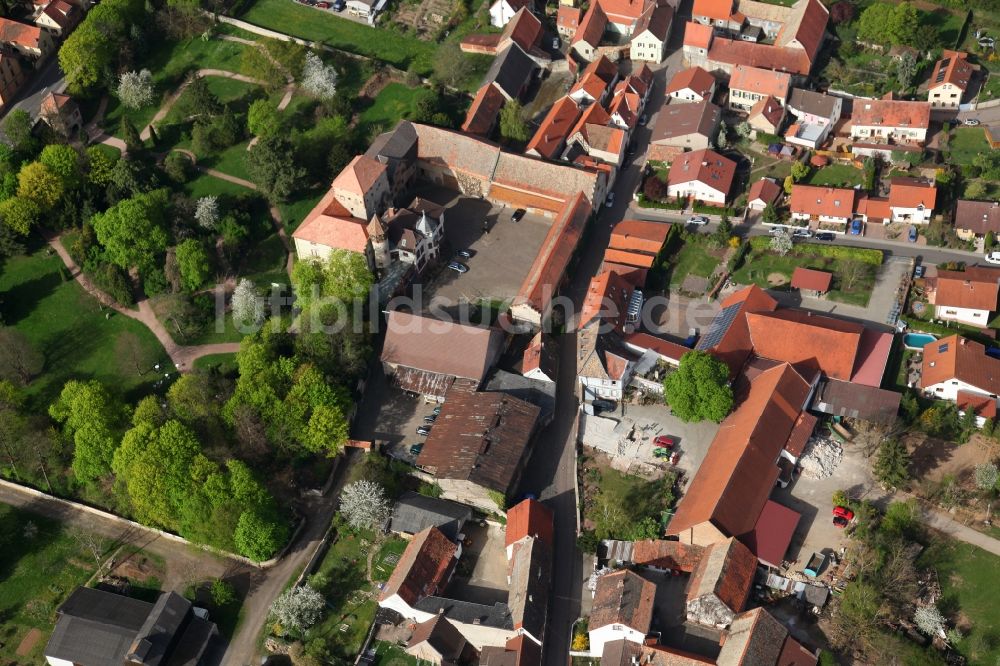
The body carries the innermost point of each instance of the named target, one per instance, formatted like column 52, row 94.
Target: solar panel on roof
column 943, row 348
column 942, row 70
column 719, row 326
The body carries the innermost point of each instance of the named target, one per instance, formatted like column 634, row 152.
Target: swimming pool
column 917, row 340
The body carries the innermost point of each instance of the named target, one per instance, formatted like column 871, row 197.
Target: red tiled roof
column 726, row 570
column 697, row 35
column 629, row 10
column 891, row 113
column 634, row 275
column 873, row 356
column 593, row 115
column 664, row 348
column 555, row 128
column 483, row 112
column 524, row 29
column 664, row 554
column 803, row 429
column 811, row 279
column 550, row 263
column 704, row 166
column 874, row 208
column 735, row 479
column 568, row 17
column 606, row 298
column 959, row 358
column 61, row 13
column 766, row 56
column 977, row 288
column 331, row 225
column 794, row 654
column 719, row 10
column 806, row 27
column 808, row 341
column 632, row 84
column 766, row 190
column 769, row 109
column 771, row 536
column 815, row 201
column 642, row 235
column 624, row 598
column 953, row 68
column 629, row 258
column 911, row 192
column 695, row 78
column 592, row 26
column 761, row 81
column 484, row 44
column 423, row 568
column 22, row 34
column 983, row 405
column 530, row 518
column 734, row 346
column 657, row 19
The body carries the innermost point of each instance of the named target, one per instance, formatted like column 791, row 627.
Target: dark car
column 424, row 430
column 840, row 523
column 416, row 449
column 825, row 236
column 912, row 237
column 856, row 226
column 605, row 405
column 430, row 418
column 518, row 214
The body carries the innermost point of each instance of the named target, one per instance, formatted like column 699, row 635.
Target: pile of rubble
column 821, row 457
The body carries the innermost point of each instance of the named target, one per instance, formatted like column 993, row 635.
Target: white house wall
column 972, row 316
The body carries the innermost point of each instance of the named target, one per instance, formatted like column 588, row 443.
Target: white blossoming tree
column 930, row 621
column 298, row 608
column 987, row 475
column 206, row 212
column 135, row 89
column 782, row 244
column 318, row 78
column 364, row 505
column 248, row 310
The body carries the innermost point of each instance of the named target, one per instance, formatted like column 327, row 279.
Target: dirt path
column 181, row 356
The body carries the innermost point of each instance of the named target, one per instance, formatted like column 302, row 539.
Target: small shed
column 811, row 279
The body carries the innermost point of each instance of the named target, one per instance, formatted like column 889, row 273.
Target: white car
column 803, row 233
column 993, row 258
column 778, row 231
column 971, row 122
column 698, row 220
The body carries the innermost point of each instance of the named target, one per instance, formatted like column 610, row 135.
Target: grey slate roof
column 96, row 628
column 415, row 512
column 538, row 393
column 162, row 625
column 497, row 615
column 530, row 572
column 809, row 101
column 398, row 144
column 511, row 69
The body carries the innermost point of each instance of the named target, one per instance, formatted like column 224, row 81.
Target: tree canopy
column 92, row 419
column 699, row 389
column 133, row 231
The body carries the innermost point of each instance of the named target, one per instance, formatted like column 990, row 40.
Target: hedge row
column 864, row 255
column 665, row 205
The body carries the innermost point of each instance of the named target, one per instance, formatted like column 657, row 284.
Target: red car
column 843, row 512
column 666, row 441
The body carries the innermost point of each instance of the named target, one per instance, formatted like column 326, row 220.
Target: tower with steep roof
column 380, row 244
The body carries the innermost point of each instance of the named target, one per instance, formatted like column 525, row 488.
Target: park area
column 854, row 269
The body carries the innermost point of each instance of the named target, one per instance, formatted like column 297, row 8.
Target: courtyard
column 481, row 575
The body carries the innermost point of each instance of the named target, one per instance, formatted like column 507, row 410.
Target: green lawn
column 37, row 573
column 308, row 23
column 968, row 578
column 836, row 175
column 72, row 330
column 395, row 102
column 204, row 185
column 617, row 504
column 761, row 265
column 966, row 143
column 224, row 363
column 351, row 600
column 294, row 211
column 692, row 259
column 387, row 654
column 230, row 161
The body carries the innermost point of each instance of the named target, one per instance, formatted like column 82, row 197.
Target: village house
column 529, row 540
column 764, row 192
column 409, row 236
column 749, row 85
column 12, row 75
column 413, row 513
column 30, row 41
column 766, row 116
column 595, row 82
column 502, row 11
column 652, row 33
column 539, row 361
column 968, row 296
column 60, row 112
column 525, row 30
column 911, row 200
column 693, row 84
column 508, row 78
column 956, row 365
column 549, row 139
column 951, row 78
column 825, row 204
column 426, row 356
column 703, row 175
column 518, row 651
column 423, row 570
column 884, row 121
column 622, row 609
column 720, row 584
column 438, row 641
column 635, row 244
column 811, row 280
column 96, row 627
column 691, row 126
column 479, row 445
column 58, row 17
column 595, row 135
column 975, row 219
column 567, row 21
column 815, row 114
column 756, row 637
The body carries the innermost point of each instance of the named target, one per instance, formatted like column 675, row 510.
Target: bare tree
column 91, row 543
column 19, row 359
column 129, row 349
column 851, row 270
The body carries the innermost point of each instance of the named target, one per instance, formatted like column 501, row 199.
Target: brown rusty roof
column 483, row 111
column 481, row 437
column 726, row 570
column 979, row 217
column 423, row 568
column 801, row 433
column 444, row 348
column 624, row 598
column 664, row 554
column 755, row 638
column 676, row 120
column 766, row 190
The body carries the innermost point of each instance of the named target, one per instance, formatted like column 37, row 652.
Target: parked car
column 803, row 233
column 437, row 410
column 518, row 214
column 424, row 430
column 912, row 235
column 430, row 418
column 843, row 512
column 698, row 220
column 856, row 226
column 815, row 565
column 604, row 405
column 458, row 267
column 610, row 201
column 840, row 523
column 971, row 122
column 778, row 231
column 323, row 5
column 465, row 254
column 992, row 258
column 826, row 236
column 919, row 271
column 416, row 449
column 666, row 441
column 644, row 119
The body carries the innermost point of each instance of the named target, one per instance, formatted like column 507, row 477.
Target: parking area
column 392, row 419
column 628, row 439
column 813, row 499
column 502, row 250
column 481, row 576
